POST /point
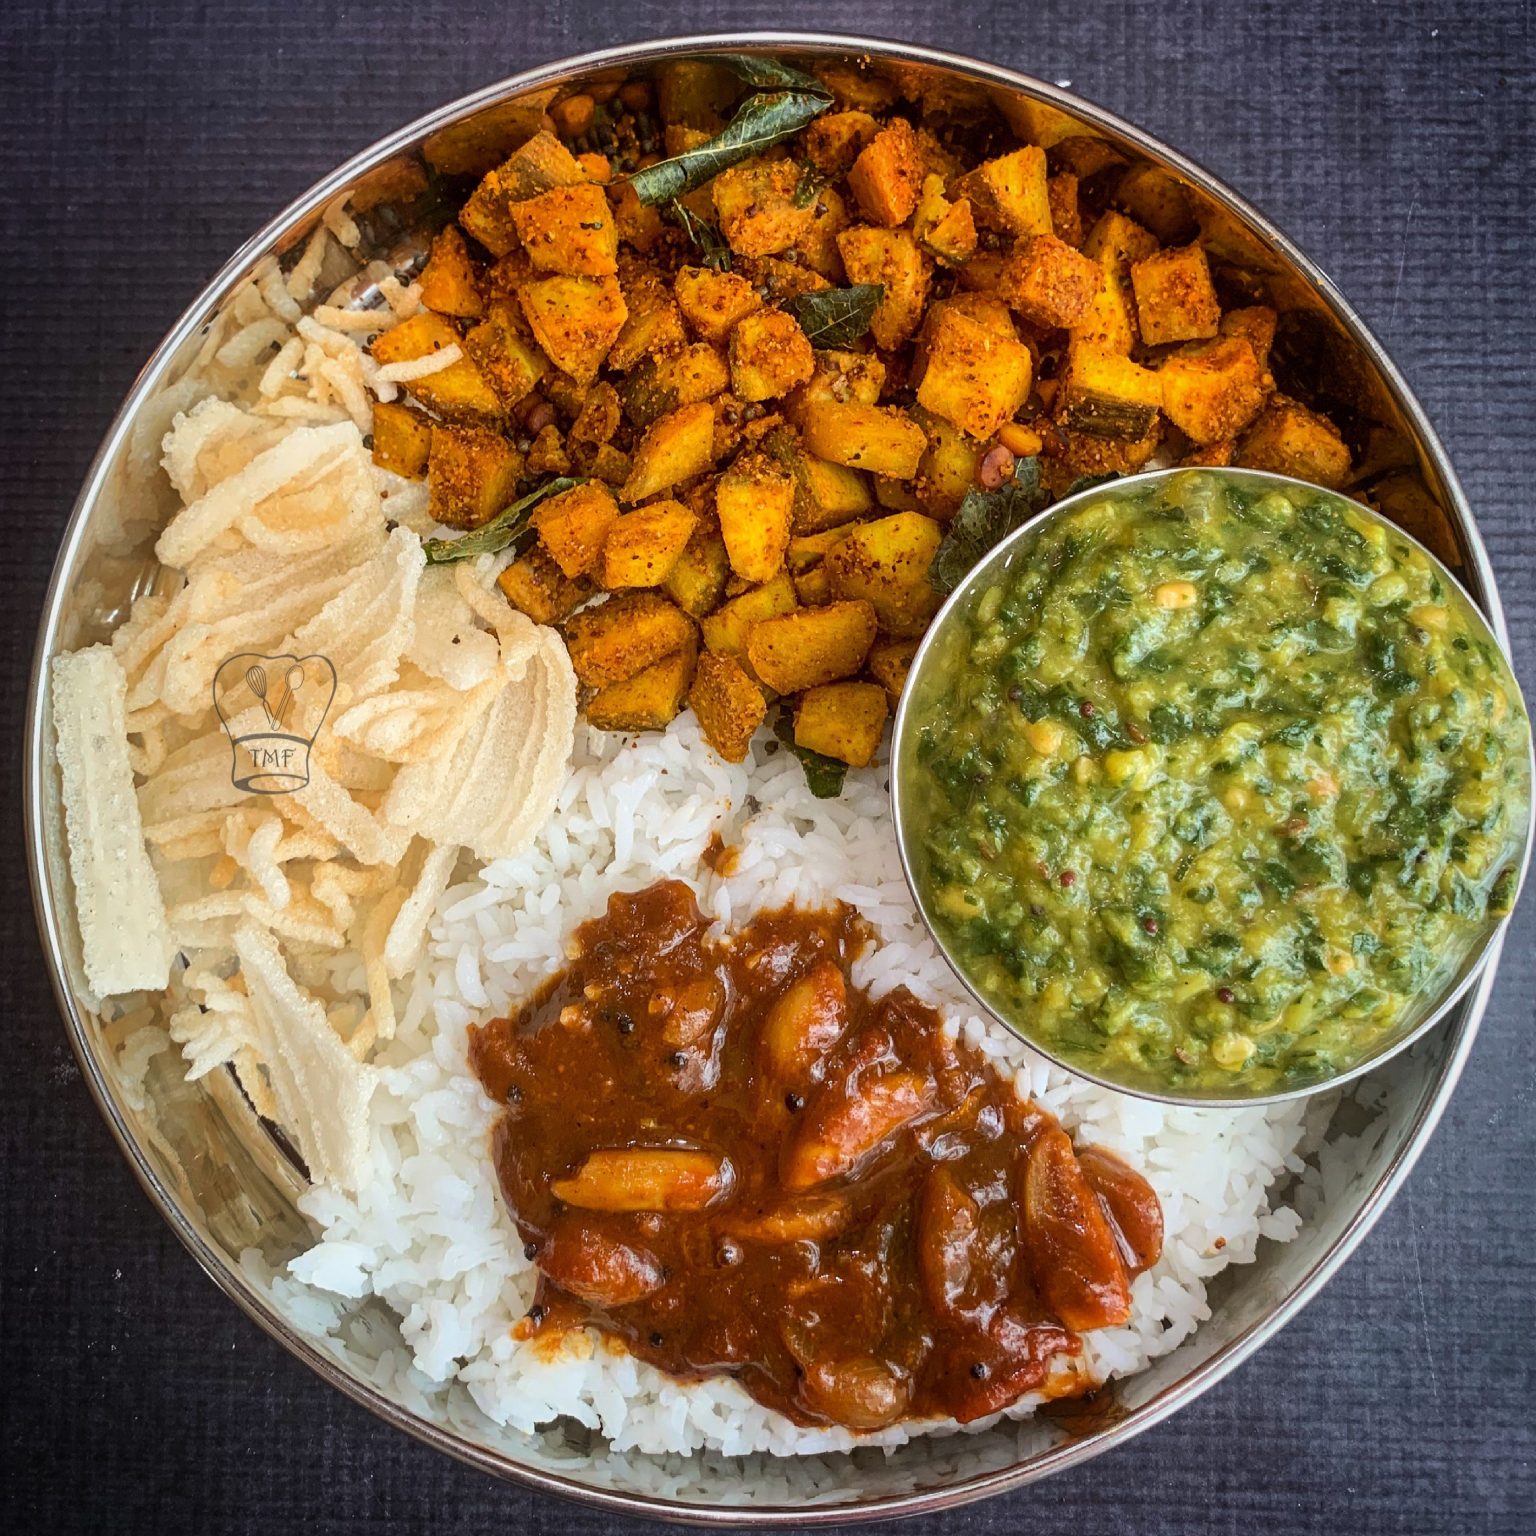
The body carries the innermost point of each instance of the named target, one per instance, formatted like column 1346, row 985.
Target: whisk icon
column 274, row 760
column 256, row 681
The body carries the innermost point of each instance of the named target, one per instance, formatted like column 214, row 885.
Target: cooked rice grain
column 430, row 1235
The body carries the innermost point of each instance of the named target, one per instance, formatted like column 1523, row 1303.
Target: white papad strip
column 123, row 933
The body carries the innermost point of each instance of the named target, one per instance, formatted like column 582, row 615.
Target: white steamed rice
column 430, row 1236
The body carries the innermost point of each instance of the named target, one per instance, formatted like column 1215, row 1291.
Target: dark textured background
column 140, row 144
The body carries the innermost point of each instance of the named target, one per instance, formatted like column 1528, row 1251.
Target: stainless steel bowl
column 1426, row 1011
column 226, row 1185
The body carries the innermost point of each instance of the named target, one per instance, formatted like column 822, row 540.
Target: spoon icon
column 291, row 681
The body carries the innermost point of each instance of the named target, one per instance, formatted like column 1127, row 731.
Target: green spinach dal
column 1210, row 781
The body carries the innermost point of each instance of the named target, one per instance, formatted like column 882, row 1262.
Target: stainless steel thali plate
column 226, row 1186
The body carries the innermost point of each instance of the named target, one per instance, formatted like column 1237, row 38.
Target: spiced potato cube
column 450, row 284
column 1061, row 192
column 712, row 302
column 1106, row 395
column 653, row 333
column 887, row 175
column 650, row 700
column 402, row 439
column 469, row 147
column 945, row 229
column 725, row 630
column 818, row 250
column 534, row 584
column 543, row 162
column 642, row 546
column 1292, row 440
column 813, row 587
column 889, row 663
column 728, row 703
column 685, row 377
column 575, row 320
column 879, row 439
column 1256, row 324
column 755, row 502
column 472, row 474
column 759, row 207
column 1154, row 198
column 833, row 141
column 501, row 348
column 892, row 258
column 885, row 563
column 460, row 391
column 971, row 375
column 678, row 447
column 1212, row 390
column 829, row 495
column 1175, row 298
column 842, row 720
column 573, row 526
column 1115, row 237
column 696, row 582
column 826, row 494
column 614, row 640
column 947, row 469
column 811, row 646
column 570, row 230
column 1010, row 194
column 770, row 355
column 1048, row 283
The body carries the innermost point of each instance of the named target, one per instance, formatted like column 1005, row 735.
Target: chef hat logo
column 272, row 708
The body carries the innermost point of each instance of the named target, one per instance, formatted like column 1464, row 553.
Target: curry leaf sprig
column 837, row 317
column 984, row 519
column 492, row 537
column 823, row 775
column 713, row 251
column 761, row 121
column 771, row 74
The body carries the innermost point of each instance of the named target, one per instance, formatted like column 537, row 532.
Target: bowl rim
column 46, row 901
column 1456, row 986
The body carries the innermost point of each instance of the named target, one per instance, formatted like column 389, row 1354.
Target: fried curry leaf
column 823, row 775
column 492, row 537
column 809, row 186
column 984, row 519
column 771, row 75
column 837, row 317
column 714, row 252
column 760, row 122
column 1088, row 482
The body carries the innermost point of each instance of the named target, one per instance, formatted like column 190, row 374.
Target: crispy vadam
column 767, row 511
column 295, row 915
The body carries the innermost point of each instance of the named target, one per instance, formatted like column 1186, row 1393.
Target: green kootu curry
column 1212, row 781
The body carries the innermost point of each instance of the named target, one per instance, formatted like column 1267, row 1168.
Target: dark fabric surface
column 142, row 143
